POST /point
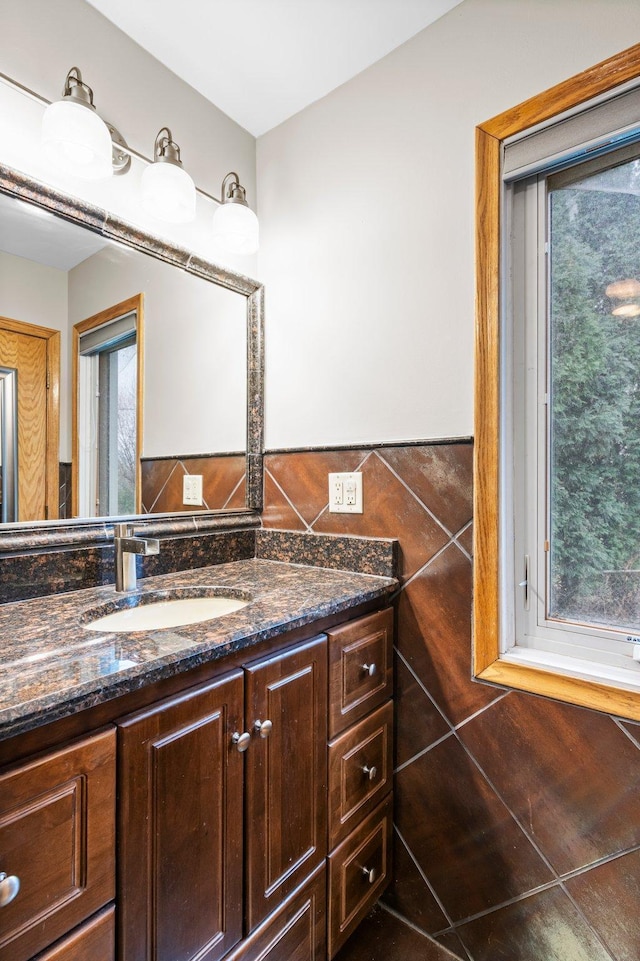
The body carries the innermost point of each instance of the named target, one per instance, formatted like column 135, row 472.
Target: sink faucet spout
column 126, row 548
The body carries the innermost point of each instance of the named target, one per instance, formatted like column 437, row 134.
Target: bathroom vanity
column 216, row 790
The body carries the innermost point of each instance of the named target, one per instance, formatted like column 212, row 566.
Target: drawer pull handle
column 369, row 669
column 9, row 887
column 241, row 741
column 371, row 772
column 263, row 728
column 369, row 874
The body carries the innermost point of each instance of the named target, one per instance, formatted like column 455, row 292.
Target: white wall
column 366, row 202
column 195, row 397
column 40, row 40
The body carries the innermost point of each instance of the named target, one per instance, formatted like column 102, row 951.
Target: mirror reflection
column 132, row 375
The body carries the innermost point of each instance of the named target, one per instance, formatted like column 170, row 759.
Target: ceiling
column 35, row 234
column 261, row 61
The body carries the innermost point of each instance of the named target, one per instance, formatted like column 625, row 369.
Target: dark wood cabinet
column 180, row 826
column 286, row 774
column 223, row 791
column 57, row 835
column 360, row 770
column 246, row 817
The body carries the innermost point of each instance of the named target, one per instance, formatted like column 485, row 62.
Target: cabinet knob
column 9, row 887
column 263, row 728
column 241, row 741
column 369, row 874
column 371, row 772
column 369, row 669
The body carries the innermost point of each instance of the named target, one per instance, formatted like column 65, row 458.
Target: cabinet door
column 93, row 941
column 296, row 931
column 286, row 773
column 57, row 835
column 180, row 826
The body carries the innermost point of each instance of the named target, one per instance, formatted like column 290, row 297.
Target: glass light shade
column 76, row 140
column 169, row 193
column 235, row 227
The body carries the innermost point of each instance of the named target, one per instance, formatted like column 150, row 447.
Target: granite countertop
column 52, row 667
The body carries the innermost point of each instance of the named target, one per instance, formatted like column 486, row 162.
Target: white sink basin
column 162, row 613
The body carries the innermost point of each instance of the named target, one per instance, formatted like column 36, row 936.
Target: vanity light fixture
column 235, row 226
column 76, row 139
column 168, row 192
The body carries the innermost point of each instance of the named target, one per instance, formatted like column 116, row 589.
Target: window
column 107, row 361
column 557, row 573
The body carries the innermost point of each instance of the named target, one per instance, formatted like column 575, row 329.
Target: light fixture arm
column 165, row 148
column 76, row 89
column 232, row 191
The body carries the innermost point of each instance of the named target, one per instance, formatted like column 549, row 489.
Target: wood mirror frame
column 49, row 534
column 487, row 665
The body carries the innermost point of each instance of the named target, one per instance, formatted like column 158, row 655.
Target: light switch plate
column 192, row 490
column 345, row 493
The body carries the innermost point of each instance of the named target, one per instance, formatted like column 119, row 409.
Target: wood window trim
column 487, row 665
column 135, row 303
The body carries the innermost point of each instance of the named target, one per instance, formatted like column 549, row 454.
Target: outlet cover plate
column 345, row 493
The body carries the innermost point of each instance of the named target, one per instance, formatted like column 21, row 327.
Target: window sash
column 531, row 637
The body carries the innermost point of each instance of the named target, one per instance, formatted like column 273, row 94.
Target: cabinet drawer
column 94, row 941
column 296, row 931
column 359, row 871
column 360, row 668
column 57, row 834
column 360, row 771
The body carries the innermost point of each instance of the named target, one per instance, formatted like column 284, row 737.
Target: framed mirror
column 159, row 383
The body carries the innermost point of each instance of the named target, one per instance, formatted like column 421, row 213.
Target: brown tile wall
column 223, row 482
column 517, row 818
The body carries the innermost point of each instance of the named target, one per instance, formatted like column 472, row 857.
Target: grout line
column 169, row 476
column 621, row 726
column 472, row 717
column 288, row 499
column 458, row 534
column 446, row 954
column 234, row 490
column 414, row 495
column 498, row 794
column 538, row 890
column 422, row 753
column 589, row 925
column 402, row 658
column 577, row 872
column 499, row 907
column 426, row 564
column 424, row 877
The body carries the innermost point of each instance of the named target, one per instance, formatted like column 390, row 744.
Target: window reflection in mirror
column 108, row 383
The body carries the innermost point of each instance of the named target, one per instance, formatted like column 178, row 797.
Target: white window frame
column 496, row 658
column 529, row 636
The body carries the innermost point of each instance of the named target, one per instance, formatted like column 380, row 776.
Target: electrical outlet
column 192, row 490
column 345, row 493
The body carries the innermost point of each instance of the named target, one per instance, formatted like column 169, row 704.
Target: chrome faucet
column 127, row 546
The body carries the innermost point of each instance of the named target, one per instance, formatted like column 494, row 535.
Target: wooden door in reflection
column 34, row 352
